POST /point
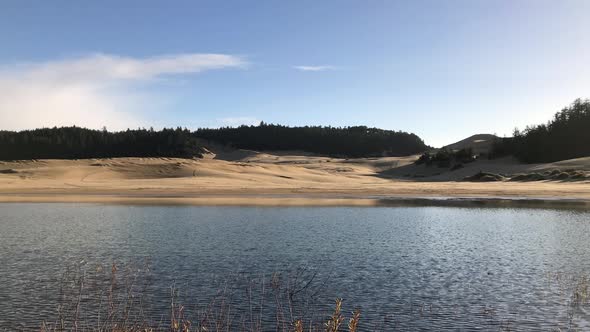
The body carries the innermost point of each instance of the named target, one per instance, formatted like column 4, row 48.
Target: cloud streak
column 91, row 91
column 314, row 68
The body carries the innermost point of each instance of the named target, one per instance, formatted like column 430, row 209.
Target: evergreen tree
column 566, row 136
column 359, row 141
column 75, row 143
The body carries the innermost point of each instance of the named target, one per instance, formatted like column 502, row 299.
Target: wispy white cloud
column 314, row 68
column 238, row 121
column 91, row 91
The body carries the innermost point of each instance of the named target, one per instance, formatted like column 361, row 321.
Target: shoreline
column 294, row 200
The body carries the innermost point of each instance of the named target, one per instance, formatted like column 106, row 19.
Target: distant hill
column 480, row 143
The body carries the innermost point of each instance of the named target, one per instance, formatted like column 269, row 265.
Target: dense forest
column 74, row 143
column 566, row 136
column 77, row 143
column 357, row 141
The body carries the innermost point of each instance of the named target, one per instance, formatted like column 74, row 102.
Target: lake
column 405, row 268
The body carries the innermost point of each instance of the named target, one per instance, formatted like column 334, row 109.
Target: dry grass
column 121, row 299
column 118, row 301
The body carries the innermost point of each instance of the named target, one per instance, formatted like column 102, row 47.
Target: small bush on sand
column 444, row 158
column 484, row 177
column 528, row 177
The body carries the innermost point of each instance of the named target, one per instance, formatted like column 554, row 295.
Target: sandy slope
column 480, row 143
column 251, row 178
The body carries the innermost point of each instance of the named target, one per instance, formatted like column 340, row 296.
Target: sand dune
column 252, row 178
column 480, row 143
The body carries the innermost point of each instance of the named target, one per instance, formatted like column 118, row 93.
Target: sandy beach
column 240, row 177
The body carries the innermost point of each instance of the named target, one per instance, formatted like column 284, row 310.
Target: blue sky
column 441, row 69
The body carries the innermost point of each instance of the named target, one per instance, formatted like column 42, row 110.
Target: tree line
column 77, row 143
column 566, row 136
column 358, row 141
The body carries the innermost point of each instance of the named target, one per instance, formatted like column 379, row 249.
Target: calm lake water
column 411, row 268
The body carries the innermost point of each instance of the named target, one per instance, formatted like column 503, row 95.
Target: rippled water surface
column 405, row 268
